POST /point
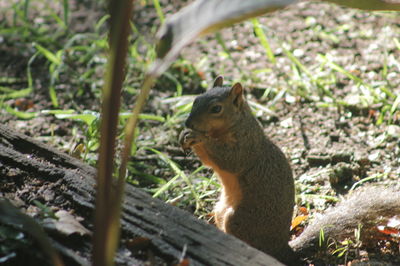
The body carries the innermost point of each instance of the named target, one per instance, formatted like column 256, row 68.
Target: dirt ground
column 331, row 149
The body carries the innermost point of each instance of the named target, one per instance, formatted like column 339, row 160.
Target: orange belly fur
column 231, row 193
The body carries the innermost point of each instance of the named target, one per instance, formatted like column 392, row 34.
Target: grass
column 79, row 59
column 73, row 64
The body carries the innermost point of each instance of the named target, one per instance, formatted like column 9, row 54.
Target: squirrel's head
column 216, row 111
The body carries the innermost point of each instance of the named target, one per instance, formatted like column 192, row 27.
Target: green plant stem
column 132, row 122
column 66, row 11
column 109, row 198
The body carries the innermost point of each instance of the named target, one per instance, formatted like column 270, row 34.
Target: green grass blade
column 29, row 72
column 49, row 55
column 178, row 85
column 296, row 61
column 26, row 9
column 66, row 11
column 53, row 96
column 165, row 187
column 178, row 172
column 151, row 178
column 376, row 176
column 13, row 94
column 101, row 22
column 397, row 43
column 144, row 117
column 395, row 105
column 339, row 69
column 263, row 40
column 20, row 114
column 159, row 11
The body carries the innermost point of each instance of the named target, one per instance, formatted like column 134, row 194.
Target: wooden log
column 169, row 233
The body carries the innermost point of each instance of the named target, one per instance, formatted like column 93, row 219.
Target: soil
column 331, row 149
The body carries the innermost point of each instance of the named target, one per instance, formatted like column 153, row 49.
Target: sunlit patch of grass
column 258, row 30
column 368, row 95
column 316, row 81
column 75, row 63
column 75, row 68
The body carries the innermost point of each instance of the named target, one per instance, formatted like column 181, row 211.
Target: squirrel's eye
column 216, row 109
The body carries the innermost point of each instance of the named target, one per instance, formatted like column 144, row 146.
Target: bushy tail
column 366, row 207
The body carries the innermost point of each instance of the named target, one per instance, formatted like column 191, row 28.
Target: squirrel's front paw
column 188, row 138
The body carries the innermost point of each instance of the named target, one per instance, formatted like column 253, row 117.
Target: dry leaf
column 297, row 221
column 66, row 224
column 24, row 104
column 388, row 231
column 138, row 243
column 184, row 262
column 303, row 210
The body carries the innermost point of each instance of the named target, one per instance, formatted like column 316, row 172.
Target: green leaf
column 87, row 116
column 20, row 114
column 58, row 112
column 143, row 117
column 49, row 55
column 178, row 173
column 13, row 94
column 321, row 239
column 53, row 96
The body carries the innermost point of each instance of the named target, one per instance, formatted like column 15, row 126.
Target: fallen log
column 165, row 233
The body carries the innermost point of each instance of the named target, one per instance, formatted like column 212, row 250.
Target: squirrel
column 257, row 198
column 258, row 195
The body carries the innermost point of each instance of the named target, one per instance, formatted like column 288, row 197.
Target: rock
column 318, row 160
column 393, row 131
column 342, row 172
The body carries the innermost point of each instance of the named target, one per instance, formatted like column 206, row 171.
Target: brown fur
column 231, row 193
column 257, row 195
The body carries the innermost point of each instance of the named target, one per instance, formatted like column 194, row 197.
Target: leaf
column 12, row 216
column 66, row 224
column 86, row 116
column 49, row 55
column 303, row 210
column 203, row 17
column 184, row 262
column 388, row 231
column 297, row 221
column 12, row 94
column 24, row 104
column 56, row 112
column 392, row 228
column 20, row 114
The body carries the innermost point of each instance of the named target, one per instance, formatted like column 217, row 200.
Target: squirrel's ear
column 218, row 82
column 236, row 94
